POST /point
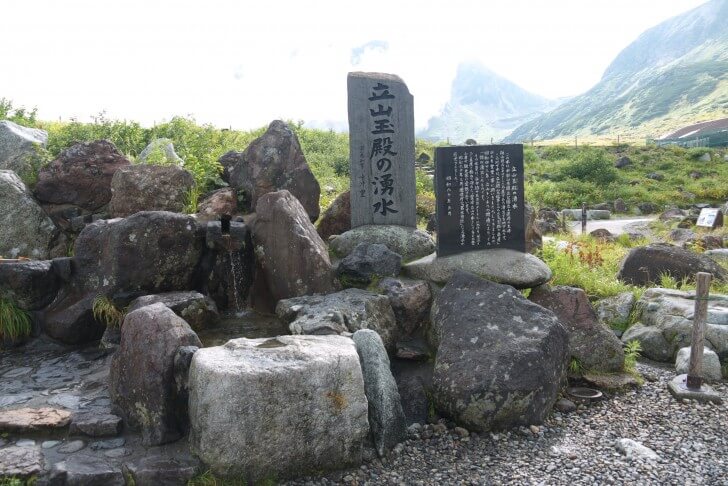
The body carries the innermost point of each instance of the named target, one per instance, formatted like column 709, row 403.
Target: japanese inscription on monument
column 381, row 149
column 479, row 195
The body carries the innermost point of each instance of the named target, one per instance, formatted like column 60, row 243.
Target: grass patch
column 105, row 311
column 14, row 322
column 209, row 479
column 192, row 198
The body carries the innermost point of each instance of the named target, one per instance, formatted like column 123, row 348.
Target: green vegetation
column 105, row 311
column 14, row 322
column 209, row 479
column 575, row 367
column 632, row 352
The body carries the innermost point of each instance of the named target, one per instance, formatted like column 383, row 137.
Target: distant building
column 705, row 134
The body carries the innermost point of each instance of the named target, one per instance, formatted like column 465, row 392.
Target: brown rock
column 602, row 234
column 591, row 342
column 81, row 175
column 33, row 419
column 645, row 265
column 411, row 301
column 293, row 257
column 337, row 217
column 217, row 203
column 533, row 234
column 272, row 162
column 149, row 188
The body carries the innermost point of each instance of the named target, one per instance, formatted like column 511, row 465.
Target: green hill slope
column 673, row 75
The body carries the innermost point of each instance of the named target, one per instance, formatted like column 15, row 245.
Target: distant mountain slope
column 483, row 105
column 674, row 74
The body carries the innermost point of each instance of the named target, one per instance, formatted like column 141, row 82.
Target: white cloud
column 242, row 64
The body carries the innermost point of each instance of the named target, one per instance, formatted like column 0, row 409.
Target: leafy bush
column 589, row 165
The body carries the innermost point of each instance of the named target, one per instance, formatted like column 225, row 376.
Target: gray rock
column 20, row 149
column 367, row 262
column 162, row 471
column 521, row 270
column 198, row 310
column 160, row 152
column 72, row 446
column 501, row 358
column 565, row 406
column 645, row 264
column 705, row 157
column 182, row 362
column 615, row 311
column 149, row 188
column 711, row 364
column 105, row 445
column 590, row 341
column 273, row 162
column 269, row 388
column 142, row 382
column 293, row 257
column 591, row 214
column 534, row 241
column 622, row 162
column 96, row 424
column 386, row 417
column 26, row 230
column 411, row 301
column 666, row 322
column 635, row 450
column 20, row 462
column 719, row 255
column 620, row 206
column 86, row 470
column 411, row 243
column 340, row 312
column 31, row 285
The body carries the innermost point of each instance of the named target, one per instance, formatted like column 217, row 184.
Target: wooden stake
column 583, row 218
column 695, row 371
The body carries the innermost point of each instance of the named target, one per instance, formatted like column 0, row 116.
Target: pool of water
column 248, row 324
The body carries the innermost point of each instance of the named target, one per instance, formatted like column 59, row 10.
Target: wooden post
column 695, row 371
column 576, row 142
column 583, row 218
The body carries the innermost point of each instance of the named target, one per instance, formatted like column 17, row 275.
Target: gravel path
column 691, row 441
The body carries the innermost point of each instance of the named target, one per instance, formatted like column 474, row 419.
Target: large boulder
column 591, row 342
column 149, row 188
column 217, row 203
column 293, row 257
column 81, row 175
column 411, row 243
column 501, row 358
column 26, row 230
column 273, row 408
column 386, row 417
column 521, row 270
column 337, row 217
column 646, row 264
column 341, row 312
column 666, row 322
column 147, row 253
column 272, row 162
column 31, row 285
column 615, row 311
column 199, row 311
column 142, row 385
column 711, row 370
column 20, row 149
column 368, row 262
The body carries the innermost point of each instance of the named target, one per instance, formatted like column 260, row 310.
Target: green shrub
column 106, row 312
column 591, row 165
column 14, row 322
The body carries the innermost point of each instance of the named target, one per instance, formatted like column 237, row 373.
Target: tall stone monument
column 381, row 150
column 479, row 198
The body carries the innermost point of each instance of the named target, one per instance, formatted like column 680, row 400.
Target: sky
column 242, row 64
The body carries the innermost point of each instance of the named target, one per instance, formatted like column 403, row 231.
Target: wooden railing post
column 700, row 316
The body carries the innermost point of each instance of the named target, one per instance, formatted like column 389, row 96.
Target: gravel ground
column 690, row 439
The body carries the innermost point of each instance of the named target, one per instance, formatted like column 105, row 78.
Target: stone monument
column 479, row 198
column 382, row 150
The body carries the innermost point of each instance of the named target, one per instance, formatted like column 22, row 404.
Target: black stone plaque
column 480, row 201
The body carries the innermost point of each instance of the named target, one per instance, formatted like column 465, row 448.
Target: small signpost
column 381, row 150
column 583, row 218
column 691, row 386
column 479, row 198
column 710, row 218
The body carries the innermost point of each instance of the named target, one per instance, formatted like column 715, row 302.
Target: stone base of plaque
column 521, row 270
column 410, row 243
column 679, row 389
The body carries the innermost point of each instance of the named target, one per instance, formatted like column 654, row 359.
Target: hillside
column 483, row 105
column 674, row 74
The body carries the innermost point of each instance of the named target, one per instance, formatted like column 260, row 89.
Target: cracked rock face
column 501, row 359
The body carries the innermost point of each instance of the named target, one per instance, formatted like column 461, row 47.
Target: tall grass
column 14, row 322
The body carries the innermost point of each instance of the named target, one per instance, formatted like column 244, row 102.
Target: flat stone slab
column 20, row 462
column 521, row 270
column 33, row 419
column 611, row 381
column 409, row 243
column 678, row 387
column 96, row 424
